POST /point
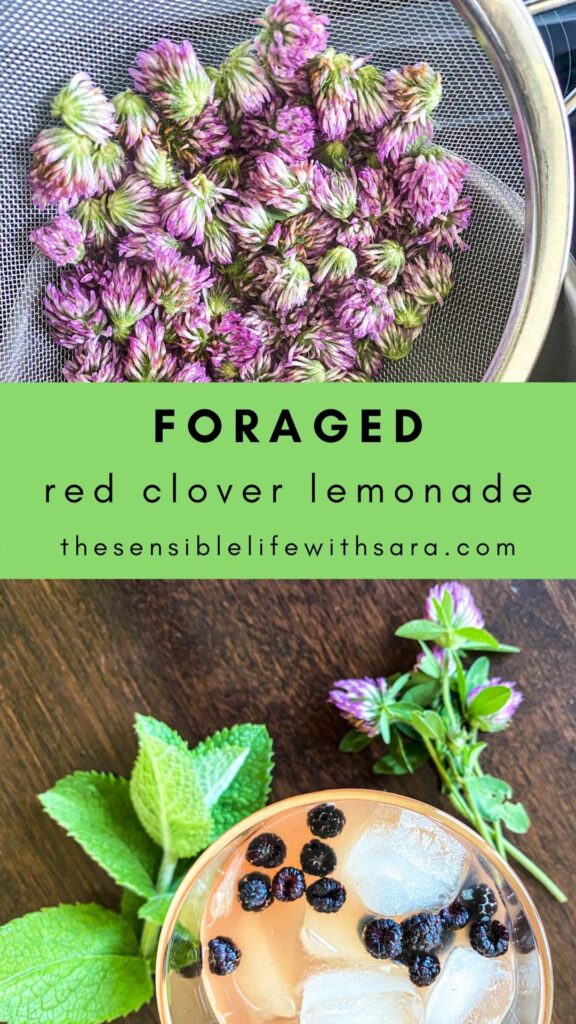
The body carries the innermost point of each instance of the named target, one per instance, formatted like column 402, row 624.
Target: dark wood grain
column 77, row 659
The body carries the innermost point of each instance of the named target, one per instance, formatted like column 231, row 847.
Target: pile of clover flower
column 284, row 217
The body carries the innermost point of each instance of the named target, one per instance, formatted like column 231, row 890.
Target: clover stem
column 150, row 931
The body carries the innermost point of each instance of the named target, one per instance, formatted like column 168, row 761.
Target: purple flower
column 63, row 169
column 356, row 233
column 500, row 719
column 408, row 313
column 446, row 230
column 398, row 136
column 125, row 299
column 430, row 183
column 429, row 278
column 294, row 133
column 281, row 185
column 84, row 109
column 174, row 79
column 209, row 134
column 395, row 342
column 218, row 244
column 337, row 265
column 360, row 702
column 94, row 218
column 416, row 91
column 310, row 234
column 225, row 170
column 324, row 340
column 335, row 192
column 372, row 104
column 242, row 83
column 465, row 610
column 377, row 197
column 135, row 117
column 299, row 369
column 191, row 373
column 192, row 331
column 132, row 206
column 74, row 313
column 109, row 164
column 362, row 307
column 250, row 221
column 146, row 247
column 95, row 362
column 186, row 209
column 332, row 84
column 383, row 260
column 176, row 282
column 61, row 241
column 288, row 282
column 155, row 164
column 233, row 346
column 291, row 35
column 147, row 358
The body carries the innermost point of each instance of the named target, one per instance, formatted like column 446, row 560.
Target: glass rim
column 373, row 796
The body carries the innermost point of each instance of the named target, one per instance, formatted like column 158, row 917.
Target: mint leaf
column 166, row 791
column 217, row 767
column 129, row 906
column 95, row 809
column 488, row 701
column 422, row 629
column 249, row 790
column 72, row 964
column 354, row 741
column 156, row 908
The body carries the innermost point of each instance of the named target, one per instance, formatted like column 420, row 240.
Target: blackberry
column 422, row 933
column 327, row 896
column 454, row 916
column 317, row 858
column 325, row 821
column 480, row 902
column 288, row 885
column 489, row 938
column 266, row 851
column 223, row 955
column 423, row 968
column 383, row 939
column 254, row 891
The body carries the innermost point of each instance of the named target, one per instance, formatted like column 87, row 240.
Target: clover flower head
column 294, row 133
column 430, row 181
column 147, row 358
column 265, row 323
column 408, row 313
column 281, row 185
column 356, row 233
column 95, row 362
column 333, row 86
column 155, row 164
column 429, row 278
column 218, row 244
column 225, row 171
column 337, row 265
column 324, row 340
column 465, row 610
column 125, row 299
column 74, row 313
column 62, row 241
column 502, row 718
column 360, row 702
column 363, row 308
column 395, row 342
column 93, row 217
column 176, row 282
column 133, row 205
column 191, row 373
column 93, row 272
column 171, row 74
column 377, row 197
column 242, row 83
column 191, row 331
column 263, row 368
column 369, row 358
column 446, row 229
column 398, row 136
column 335, row 192
column 109, row 164
column 220, row 298
column 84, row 109
column 291, row 35
column 383, row 260
column 299, row 369
column 62, row 169
column 288, row 282
column 233, row 346
column 146, row 247
column 185, row 210
column 416, row 90
column 250, row 221
column 372, row 104
column 309, row 234
column 210, row 132
column 134, row 116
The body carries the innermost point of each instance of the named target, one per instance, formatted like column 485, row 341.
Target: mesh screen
column 43, row 44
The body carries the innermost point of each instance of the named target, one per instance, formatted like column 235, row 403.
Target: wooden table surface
column 77, row 659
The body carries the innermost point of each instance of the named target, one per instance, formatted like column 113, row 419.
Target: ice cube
column 405, row 863
column 471, row 989
column 377, row 996
column 332, row 936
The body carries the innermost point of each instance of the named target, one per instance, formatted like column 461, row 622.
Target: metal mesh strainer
column 501, row 111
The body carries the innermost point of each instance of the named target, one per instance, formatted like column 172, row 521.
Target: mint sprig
column 83, row 964
column 438, row 711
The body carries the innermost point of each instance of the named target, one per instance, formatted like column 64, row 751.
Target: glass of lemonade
column 352, row 907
